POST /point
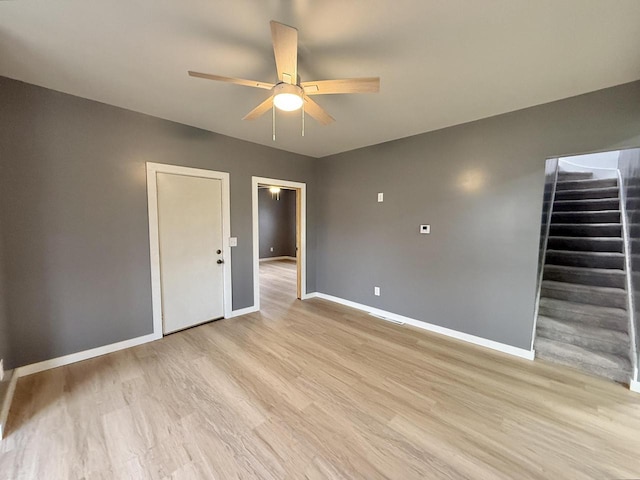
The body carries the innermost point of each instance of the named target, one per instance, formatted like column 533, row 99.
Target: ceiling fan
column 289, row 94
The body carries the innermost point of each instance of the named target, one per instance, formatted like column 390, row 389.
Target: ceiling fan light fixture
column 287, row 97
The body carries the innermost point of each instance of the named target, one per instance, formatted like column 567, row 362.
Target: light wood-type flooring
column 314, row 390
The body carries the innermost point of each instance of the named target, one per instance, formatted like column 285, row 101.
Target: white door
column 190, row 234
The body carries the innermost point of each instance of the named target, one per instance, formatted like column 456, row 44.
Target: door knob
column 220, row 261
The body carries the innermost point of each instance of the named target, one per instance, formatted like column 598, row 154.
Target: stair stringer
column 630, row 301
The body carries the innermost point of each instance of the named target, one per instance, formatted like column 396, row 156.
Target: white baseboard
column 6, row 403
column 243, row 311
column 84, row 355
column 634, row 386
column 483, row 342
column 271, row 259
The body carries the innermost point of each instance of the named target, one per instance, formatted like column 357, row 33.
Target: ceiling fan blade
column 346, row 85
column 285, row 49
column 260, row 110
column 237, row 81
column 317, row 112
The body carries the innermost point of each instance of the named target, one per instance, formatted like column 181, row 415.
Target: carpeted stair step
column 586, row 184
column 594, row 339
column 562, row 176
column 604, row 216
column 592, row 315
column 585, row 230
column 585, row 259
column 586, row 244
column 601, row 364
column 597, row 277
column 574, row 292
column 589, row 204
column 607, row 192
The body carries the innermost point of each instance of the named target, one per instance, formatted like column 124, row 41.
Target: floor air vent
column 397, row 322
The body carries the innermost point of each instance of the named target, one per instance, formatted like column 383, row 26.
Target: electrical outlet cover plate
column 233, row 241
column 376, row 291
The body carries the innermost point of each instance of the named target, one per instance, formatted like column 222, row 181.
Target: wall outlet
column 271, row 249
column 381, row 197
column 376, row 291
column 233, row 241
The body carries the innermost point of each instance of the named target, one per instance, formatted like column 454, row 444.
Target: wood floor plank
column 316, row 390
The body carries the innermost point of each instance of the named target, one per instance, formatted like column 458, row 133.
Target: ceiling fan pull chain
column 303, row 119
column 273, row 120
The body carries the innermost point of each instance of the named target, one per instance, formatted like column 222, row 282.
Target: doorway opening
column 588, row 284
column 279, row 240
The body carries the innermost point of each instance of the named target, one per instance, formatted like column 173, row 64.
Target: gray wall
column 73, row 207
column 277, row 223
column 74, row 219
column 480, row 186
column 629, row 166
column 5, row 345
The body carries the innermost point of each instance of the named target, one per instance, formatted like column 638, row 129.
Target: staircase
column 582, row 318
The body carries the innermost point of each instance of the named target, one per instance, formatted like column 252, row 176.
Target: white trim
column 6, row 402
column 243, row 311
column 587, row 167
column 634, row 386
column 255, row 181
column 152, row 196
column 272, row 259
column 483, row 342
column 84, row 355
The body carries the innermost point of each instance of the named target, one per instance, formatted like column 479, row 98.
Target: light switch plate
column 233, row 241
column 425, row 229
column 381, row 197
column 376, row 291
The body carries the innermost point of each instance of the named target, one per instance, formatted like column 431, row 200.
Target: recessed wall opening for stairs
column 589, row 273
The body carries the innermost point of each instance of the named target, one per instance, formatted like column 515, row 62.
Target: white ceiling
column 441, row 62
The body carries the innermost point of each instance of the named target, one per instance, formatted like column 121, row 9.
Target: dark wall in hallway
column 277, row 223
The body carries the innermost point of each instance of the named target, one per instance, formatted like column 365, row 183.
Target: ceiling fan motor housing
column 287, row 97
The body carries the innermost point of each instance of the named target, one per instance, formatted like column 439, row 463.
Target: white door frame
column 154, row 238
column 255, row 181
